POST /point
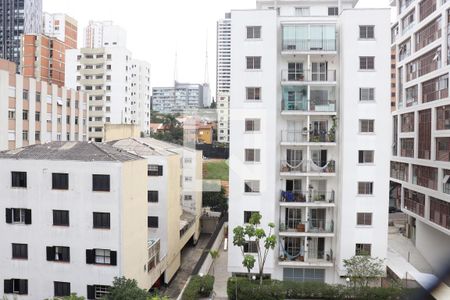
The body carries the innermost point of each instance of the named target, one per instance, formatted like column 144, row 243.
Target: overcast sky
column 157, row 28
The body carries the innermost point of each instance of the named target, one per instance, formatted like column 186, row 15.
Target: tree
column 363, row 269
column 214, row 255
column 126, row 289
column 71, row 297
column 217, row 201
column 253, row 232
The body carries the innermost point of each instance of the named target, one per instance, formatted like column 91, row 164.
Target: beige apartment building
column 33, row 111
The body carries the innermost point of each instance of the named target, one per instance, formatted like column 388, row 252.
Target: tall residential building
column 223, row 77
column 179, row 98
column 118, row 86
column 420, row 165
column 310, row 113
column 74, row 217
column 62, row 27
column 170, row 224
column 104, row 34
column 17, row 18
column 33, row 111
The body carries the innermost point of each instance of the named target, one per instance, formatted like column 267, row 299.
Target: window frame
column 252, row 186
column 253, row 33
column 364, row 32
column 151, row 196
column 60, row 181
column 370, row 189
column 101, row 220
column 253, row 93
column 152, row 222
column 20, row 182
column 101, row 183
column 364, row 219
column 61, row 289
column 252, row 155
column 360, row 249
column 363, row 159
column 19, row 251
column 60, row 216
column 370, row 124
column 367, row 63
column 253, row 63
column 366, row 94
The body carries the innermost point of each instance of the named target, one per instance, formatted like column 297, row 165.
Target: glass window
column 365, row 188
column 253, row 32
column 251, row 186
column 367, row 32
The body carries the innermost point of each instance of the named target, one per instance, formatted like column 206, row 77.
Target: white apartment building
column 180, row 97
column 33, row 112
column 420, row 162
column 118, row 86
column 223, row 77
column 171, row 223
column 62, row 27
column 104, row 34
column 310, row 113
column 74, row 217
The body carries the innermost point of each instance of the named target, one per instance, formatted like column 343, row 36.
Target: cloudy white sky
column 156, row 28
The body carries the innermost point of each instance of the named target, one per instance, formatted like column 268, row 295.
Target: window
column 25, row 135
column 155, row 170
column 303, row 275
column 25, row 95
column 302, row 11
column 37, row 116
column 366, row 94
column 365, row 188
column 253, row 93
column 60, row 181
column 16, row 286
column 407, row 147
column 187, row 197
column 101, row 220
column 38, row 97
column 101, row 257
column 187, row 160
column 252, row 155
column 364, row 219
column 62, row 289
column 251, row 186
column 60, row 218
column 19, row 179
column 58, row 253
column 248, row 215
column 100, row 183
column 250, row 247
column 97, row 292
column 363, row 249
column 366, row 126
column 333, row 11
column 365, row 156
column 152, row 196
column 252, row 125
column 367, row 32
column 20, row 251
column 253, row 32
column 18, row 216
column 253, row 62
column 440, row 212
column 152, row 222
column 11, row 114
column 414, row 202
column 366, row 63
column 25, row 114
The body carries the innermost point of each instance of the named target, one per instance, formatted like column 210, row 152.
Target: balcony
column 313, row 227
column 309, row 45
column 294, row 76
column 307, row 198
column 308, row 258
column 308, row 106
column 300, row 167
column 289, row 138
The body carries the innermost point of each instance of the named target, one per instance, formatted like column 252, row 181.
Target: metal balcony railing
column 305, row 166
column 308, row 75
column 320, row 226
column 323, row 105
column 307, row 196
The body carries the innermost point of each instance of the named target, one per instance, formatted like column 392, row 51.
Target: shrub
column 198, row 287
column 274, row 290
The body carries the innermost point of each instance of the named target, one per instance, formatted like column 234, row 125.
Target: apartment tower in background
column 43, row 55
column 223, row 77
column 33, row 111
column 420, row 166
column 310, row 113
column 17, row 18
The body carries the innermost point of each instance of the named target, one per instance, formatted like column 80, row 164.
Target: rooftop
column 144, row 146
column 76, row 151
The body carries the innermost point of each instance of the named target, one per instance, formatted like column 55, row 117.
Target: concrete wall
column 115, row 132
column 434, row 245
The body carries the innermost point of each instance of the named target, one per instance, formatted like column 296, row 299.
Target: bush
column 198, row 287
column 275, row 290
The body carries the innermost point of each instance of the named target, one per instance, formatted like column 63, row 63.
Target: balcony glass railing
column 311, row 106
column 309, row 45
column 320, row 225
column 308, row 75
column 307, row 196
column 305, row 166
column 291, row 136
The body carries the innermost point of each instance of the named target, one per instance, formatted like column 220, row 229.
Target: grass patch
column 216, row 170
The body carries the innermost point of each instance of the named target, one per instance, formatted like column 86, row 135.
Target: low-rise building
column 75, row 217
column 33, row 111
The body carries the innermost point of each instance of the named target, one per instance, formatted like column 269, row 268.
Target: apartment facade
column 118, row 86
column 17, row 18
column 309, row 149
column 100, row 34
column 62, row 27
column 170, row 225
column 179, row 98
column 223, row 77
column 420, row 163
column 33, row 111
column 88, row 226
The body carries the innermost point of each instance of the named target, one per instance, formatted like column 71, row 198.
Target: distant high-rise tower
column 104, row 34
column 223, row 77
column 17, row 18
